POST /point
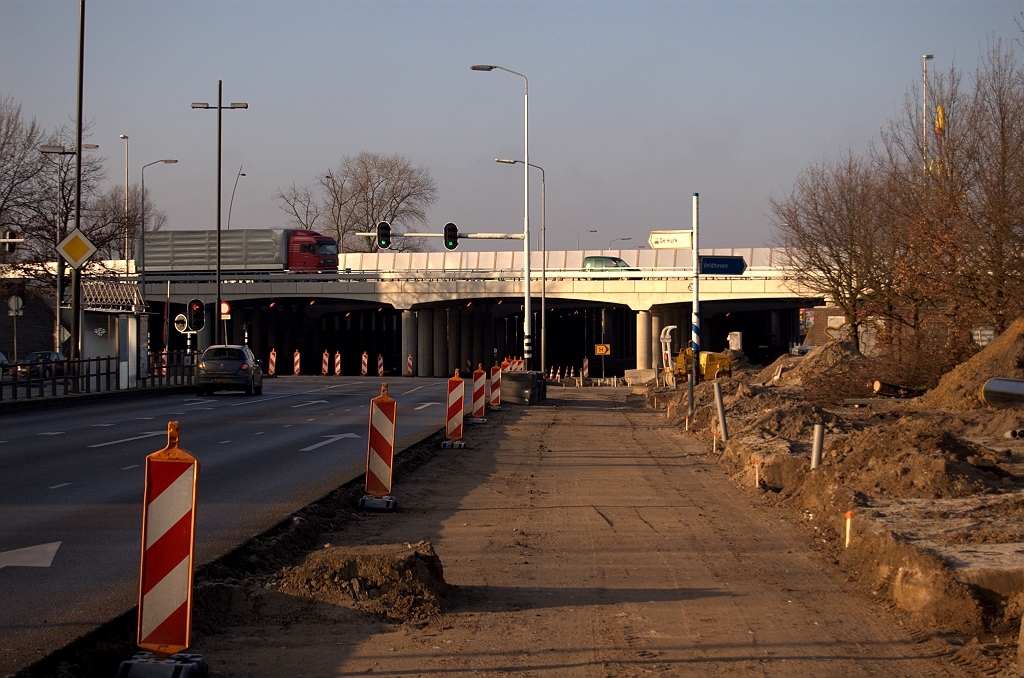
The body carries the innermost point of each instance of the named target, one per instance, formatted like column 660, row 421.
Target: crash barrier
column 380, row 452
column 62, row 377
column 325, row 363
column 408, row 366
column 479, row 394
column 297, row 362
column 363, row 365
column 456, row 412
column 272, row 365
column 523, row 388
column 380, row 365
column 337, row 363
column 495, row 388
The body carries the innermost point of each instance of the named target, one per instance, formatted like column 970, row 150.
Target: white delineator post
column 455, row 414
column 380, row 452
column 479, row 395
column 495, row 387
column 168, row 545
column 695, row 322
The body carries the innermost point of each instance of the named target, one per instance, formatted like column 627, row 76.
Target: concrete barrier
column 523, row 388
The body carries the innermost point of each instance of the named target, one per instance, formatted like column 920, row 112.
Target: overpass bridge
column 453, row 309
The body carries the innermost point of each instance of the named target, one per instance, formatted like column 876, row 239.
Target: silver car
column 228, row 368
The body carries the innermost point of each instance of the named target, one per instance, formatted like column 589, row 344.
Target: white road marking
column 425, row 406
column 224, row 441
column 142, row 418
column 52, row 433
column 418, row 388
column 147, row 434
column 287, row 426
column 57, row 487
column 196, row 401
column 330, row 439
column 126, row 468
column 101, row 424
column 2, row 442
column 259, row 433
column 31, row 556
column 261, row 400
column 310, row 419
column 311, row 402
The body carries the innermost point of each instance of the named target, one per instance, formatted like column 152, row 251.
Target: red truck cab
column 309, row 251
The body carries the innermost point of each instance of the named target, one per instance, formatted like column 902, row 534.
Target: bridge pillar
column 465, row 338
column 478, row 336
column 454, row 338
column 440, row 343
column 501, row 337
column 643, row 339
column 489, row 336
column 425, row 342
column 408, row 338
column 656, row 325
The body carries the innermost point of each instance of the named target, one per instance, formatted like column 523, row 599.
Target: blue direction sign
column 722, row 265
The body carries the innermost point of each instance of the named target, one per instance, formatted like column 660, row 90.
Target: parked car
column 228, row 368
column 45, row 363
column 602, row 264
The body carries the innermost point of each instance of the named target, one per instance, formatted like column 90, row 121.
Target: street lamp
column 925, row 58
column 527, row 348
column 60, row 151
column 593, row 230
column 616, row 240
column 231, row 202
column 141, row 262
column 220, row 108
column 543, row 260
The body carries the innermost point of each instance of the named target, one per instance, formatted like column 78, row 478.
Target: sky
column 633, row 106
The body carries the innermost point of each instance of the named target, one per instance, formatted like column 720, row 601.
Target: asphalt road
column 75, row 476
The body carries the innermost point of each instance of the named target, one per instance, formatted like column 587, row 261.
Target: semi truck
column 252, row 249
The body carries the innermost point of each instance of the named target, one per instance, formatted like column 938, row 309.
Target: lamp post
column 60, row 151
column 220, row 108
column 593, row 230
column 231, row 203
column 527, row 319
column 76, row 278
column 925, row 58
column 126, row 237
column 616, row 240
column 142, row 232
column 543, row 261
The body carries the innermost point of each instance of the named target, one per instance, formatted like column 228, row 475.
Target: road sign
column 76, row 249
column 15, row 303
column 671, row 240
column 181, row 323
column 225, row 310
column 722, row 265
column 602, row 349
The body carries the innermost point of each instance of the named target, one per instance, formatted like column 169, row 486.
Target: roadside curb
column 58, row 402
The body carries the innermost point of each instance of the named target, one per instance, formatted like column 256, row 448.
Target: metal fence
column 173, row 368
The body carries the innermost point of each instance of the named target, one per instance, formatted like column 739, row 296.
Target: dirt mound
column 776, row 412
column 960, row 389
column 399, row 582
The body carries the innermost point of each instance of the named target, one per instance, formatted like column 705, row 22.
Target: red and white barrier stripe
column 380, row 365
column 572, row 372
column 272, row 366
column 168, row 545
column 551, row 373
column 380, row 452
column 479, row 392
column 408, row 366
column 163, row 362
column 456, row 404
column 363, row 366
column 337, row 362
column 325, row 363
column 559, row 375
column 495, row 386
column 296, row 362
column 586, row 368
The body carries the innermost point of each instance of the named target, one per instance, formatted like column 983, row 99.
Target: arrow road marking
column 147, row 434
column 330, row 439
column 32, row 556
column 425, row 406
column 311, row 402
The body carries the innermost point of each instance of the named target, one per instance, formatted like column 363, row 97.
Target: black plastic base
column 148, row 665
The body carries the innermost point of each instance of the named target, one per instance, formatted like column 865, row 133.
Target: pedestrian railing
column 59, row 377
column 174, row 368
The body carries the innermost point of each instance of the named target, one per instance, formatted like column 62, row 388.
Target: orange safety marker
column 362, row 369
column 325, row 363
column 479, row 395
column 337, row 363
column 586, row 368
column 551, row 373
column 380, row 365
column 168, row 545
column 408, row 366
column 757, row 473
column 272, row 366
column 297, row 362
column 456, row 403
column 495, row 388
column 505, row 364
column 558, row 376
column 380, row 453
column 849, row 519
column 163, row 362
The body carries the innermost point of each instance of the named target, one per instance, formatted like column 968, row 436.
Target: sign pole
column 695, row 323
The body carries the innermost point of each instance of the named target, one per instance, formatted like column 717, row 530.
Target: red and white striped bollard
column 272, row 365
column 297, row 362
column 479, row 395
column 408, row 366
column 380, row 365
column 337, row 363
column 325, row 363
column 495, row 388
column 380, row 452
column 364, row 365
column 455, row 414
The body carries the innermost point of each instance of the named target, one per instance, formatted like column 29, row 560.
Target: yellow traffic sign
column 76, row 248
column 602, row 349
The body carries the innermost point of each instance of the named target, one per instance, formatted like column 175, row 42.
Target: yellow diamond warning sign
column 76, row 248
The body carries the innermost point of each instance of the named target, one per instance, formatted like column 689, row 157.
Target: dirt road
column 586, row 538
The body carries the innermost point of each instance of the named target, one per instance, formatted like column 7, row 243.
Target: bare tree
column 105, row 224
column 20, row 165
column 301, row 206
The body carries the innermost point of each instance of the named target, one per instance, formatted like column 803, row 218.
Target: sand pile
column 960, row 389
column 399, row 582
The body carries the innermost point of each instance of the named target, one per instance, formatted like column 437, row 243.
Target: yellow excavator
column 712, row 365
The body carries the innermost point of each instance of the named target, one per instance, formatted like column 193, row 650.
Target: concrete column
column 408, row 339
column 478, row 336
column 440, row 343
column 643, row 339
column 454, row 339
column 489, row 337
column 466, row 339
column 425, row 343
column 656, row 325
column 501, row 338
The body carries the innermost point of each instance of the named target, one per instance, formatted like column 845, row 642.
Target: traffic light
column 451, row 236
column 196, row 315
column 9, row 246
column 384, row 235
